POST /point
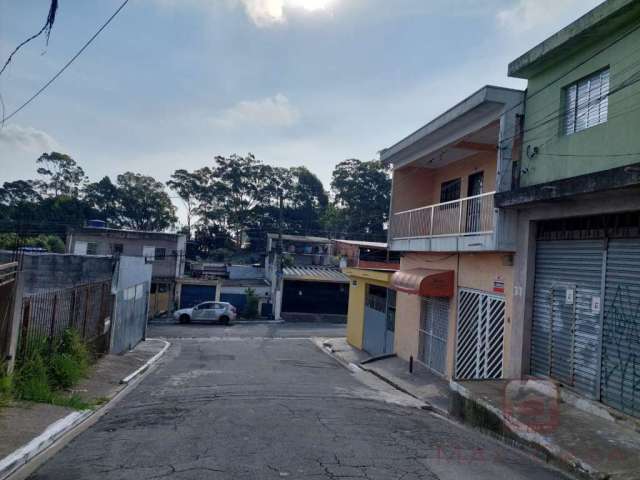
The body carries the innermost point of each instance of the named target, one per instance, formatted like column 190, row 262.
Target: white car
column 222, row 312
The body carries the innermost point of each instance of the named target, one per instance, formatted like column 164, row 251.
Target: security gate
column 479, row 350
column 379, row 320
column 433, row 333
column 566, row 325
column 620, row 382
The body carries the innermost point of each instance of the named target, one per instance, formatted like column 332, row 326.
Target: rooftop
column 471, row 120
column 606, row 18
column 360, row 243
column 124, row 231
column 315, row 274
column 299, row 238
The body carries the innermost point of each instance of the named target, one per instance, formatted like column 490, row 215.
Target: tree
column 362, row 193
column 104, row 198
column 239, row 184
column 18, row 192
column 144, row 204
column 187, row 185
column 63, row 176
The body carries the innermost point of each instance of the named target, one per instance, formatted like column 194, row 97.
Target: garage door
column 566, row 313
column 620, row 382
column 315, row 297
column 192, row 295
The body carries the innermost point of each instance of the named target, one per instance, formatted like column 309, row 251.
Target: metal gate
column 433, row 333
column 480, row 333
column 131, row 317
column 379, row 321
column 620, row 381
column 566, row 326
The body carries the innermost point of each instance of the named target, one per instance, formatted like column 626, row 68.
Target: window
column 206, row 306
column 587, row 102
column 92, row 248
column 149, row 253
column 80, row 248
column 450, row 190
column 118, row 248
column 160, row 253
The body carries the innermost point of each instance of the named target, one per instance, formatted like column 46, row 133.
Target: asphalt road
column 239, row 407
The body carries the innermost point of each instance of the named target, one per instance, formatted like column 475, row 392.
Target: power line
column 53, row 79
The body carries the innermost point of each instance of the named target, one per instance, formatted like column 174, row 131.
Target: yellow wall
column 476, row 271
column 357, row 295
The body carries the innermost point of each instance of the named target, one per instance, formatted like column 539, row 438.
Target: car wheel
column 184, row 318
column 224, row 320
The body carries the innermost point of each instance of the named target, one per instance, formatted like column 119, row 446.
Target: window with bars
column 587, row 102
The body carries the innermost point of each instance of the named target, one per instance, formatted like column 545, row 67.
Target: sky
column 172, row 83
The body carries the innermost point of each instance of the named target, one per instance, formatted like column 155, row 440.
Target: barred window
column 587, row 102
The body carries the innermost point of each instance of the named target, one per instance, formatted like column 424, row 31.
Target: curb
column 150, row 362
column 61, row 431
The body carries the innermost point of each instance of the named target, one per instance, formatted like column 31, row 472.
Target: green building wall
column 598, row 148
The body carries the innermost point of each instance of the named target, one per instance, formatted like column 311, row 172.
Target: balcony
column 467, row 224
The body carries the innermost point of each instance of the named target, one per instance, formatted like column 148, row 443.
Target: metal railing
column 46, row 315
column 466, row 216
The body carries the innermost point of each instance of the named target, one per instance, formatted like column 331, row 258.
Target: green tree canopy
column 361, row 193
column 63, row 176
column 143, row 203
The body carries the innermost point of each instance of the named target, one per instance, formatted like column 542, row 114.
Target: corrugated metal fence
column 85, row 308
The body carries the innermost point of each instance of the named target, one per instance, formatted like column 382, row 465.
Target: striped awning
column 315, row 274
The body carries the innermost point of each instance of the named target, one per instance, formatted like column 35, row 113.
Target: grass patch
column 50, row 369
column 6, row 387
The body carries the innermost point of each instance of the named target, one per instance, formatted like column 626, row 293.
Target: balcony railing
column 466, row 216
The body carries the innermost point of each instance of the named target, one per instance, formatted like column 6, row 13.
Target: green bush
column 32, row 379
column 46, row 371
column 251, row 307
column 6, row 387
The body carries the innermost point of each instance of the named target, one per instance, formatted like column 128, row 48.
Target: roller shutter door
column 620, row 382
column 566, row 325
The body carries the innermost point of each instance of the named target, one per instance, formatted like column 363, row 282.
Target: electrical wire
column 53, row 79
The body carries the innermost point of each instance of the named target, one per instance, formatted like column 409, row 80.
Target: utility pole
column 277, row 304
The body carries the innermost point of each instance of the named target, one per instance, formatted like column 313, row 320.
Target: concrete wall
column 360, row 280
column 476, row 271
column 132, row 245
column 589, row 150
column 52, row 271
column 242, row 272
column 415, row 187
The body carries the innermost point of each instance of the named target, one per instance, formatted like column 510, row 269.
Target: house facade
column 576, row 192
column 453, row 302
column 165, row 251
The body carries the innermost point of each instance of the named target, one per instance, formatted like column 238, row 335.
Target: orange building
column 455, row 284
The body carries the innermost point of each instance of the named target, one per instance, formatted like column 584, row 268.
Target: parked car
column 222, row 312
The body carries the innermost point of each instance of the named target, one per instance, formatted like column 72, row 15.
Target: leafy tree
column 18, row 192
column 104, row 198
column 63, row 176
column 187, row 185
column 144, row 204
column 361, row 196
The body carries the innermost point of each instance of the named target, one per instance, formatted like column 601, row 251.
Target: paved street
column 232, row 406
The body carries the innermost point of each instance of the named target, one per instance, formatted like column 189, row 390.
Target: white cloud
column 26, row 139
column 263, row 13
column 529, row 14
column 276, row 111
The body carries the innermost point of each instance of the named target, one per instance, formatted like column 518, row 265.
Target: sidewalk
column 23, row 422
column 421, row 384
column 585, row 437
